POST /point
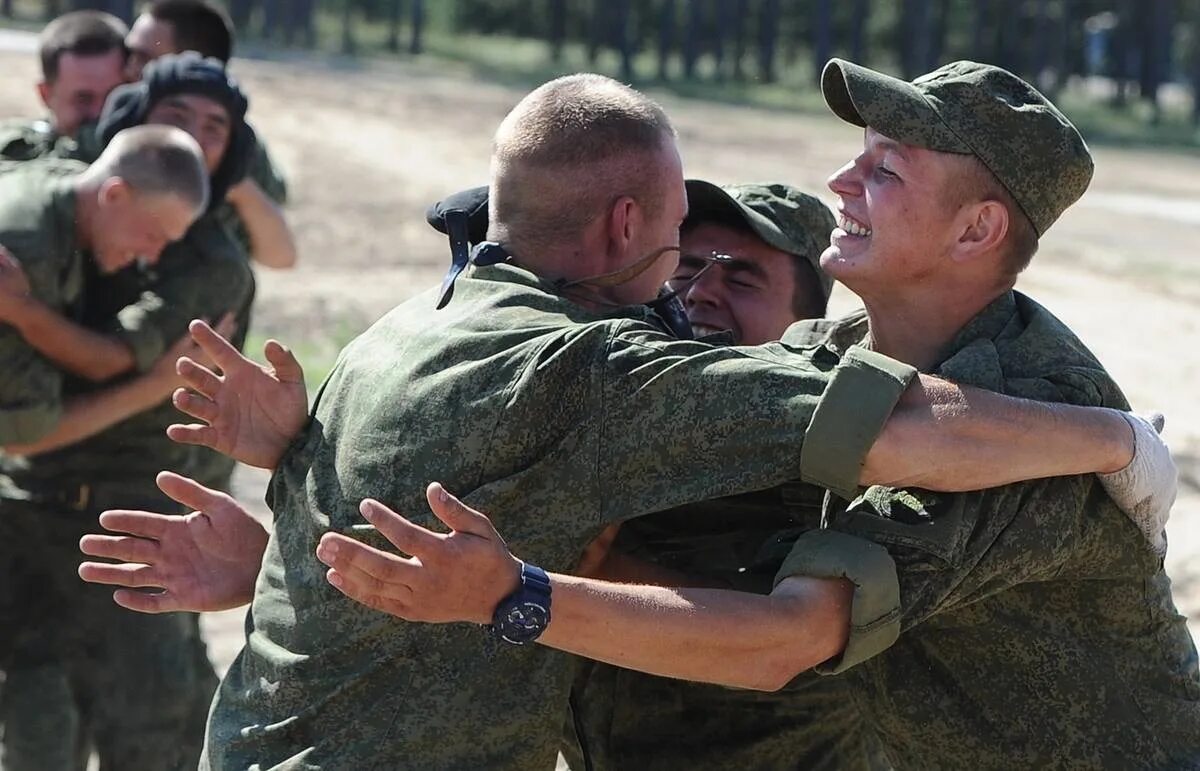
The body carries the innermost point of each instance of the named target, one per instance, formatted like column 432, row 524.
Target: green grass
column 316, row 351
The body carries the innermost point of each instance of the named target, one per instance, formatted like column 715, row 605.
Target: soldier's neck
column 86, row 211
column 917, row 325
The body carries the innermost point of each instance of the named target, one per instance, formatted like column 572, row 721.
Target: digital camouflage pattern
column 1035, row 623
column 37, row 225
column 166, row 681
column 781, row 215
column 621, row 719
column 267, row 176
column 554, row 420
column 978, row 109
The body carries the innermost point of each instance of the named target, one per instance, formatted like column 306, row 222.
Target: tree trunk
column 1196, row 67
column 558, row 29
column 914, row 37
column 395, row 13
column 692, row 38
column 349, row 44
column 666, row 37
column 6, row 9
column 981, row 44
column 623, row 36
column 822, row 35
column 858, row 30
column 239, row 13
column 596, row 31
column 722, row 27
column 1122, row 47
column 270, row 19
column 741, row 9
column 768, row 39
column 416, row 43
column 937, row 38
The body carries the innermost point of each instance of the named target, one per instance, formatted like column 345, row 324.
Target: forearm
column 621, row 568
column 271, row 241
column 71, row 347
column 952, row 438
column 87, row 415
column 708, row 635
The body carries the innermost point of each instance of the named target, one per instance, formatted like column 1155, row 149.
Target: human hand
column 461, row 576
column 595, row 554
column 252, row 412
column 206, row 560
column 1145, row 489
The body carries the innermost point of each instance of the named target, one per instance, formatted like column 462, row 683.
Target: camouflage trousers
column 82, row 673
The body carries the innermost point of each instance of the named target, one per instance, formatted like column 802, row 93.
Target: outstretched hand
column 206, row 560
column 251, row 413
column 460, row 576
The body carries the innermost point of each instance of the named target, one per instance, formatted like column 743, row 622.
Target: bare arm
column 952, row 438
column 73, row 348
column 711, row 635
column 271, row 241
column 89, row 414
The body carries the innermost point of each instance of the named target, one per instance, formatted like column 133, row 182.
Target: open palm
column 251, row 412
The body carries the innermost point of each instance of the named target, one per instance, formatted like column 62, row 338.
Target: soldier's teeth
column 853, row 228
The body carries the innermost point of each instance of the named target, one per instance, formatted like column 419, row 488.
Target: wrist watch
column 522, row 616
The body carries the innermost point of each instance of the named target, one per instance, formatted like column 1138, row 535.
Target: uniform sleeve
column 267, row 175
column 30, row 391
column 204, row 276
column 912, row 554
column 682, row 421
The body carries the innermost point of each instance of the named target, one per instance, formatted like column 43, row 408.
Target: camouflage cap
column 967, row 107
column 779, row 214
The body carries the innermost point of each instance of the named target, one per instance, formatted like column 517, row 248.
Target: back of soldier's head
column 156, row 161
column 83, row 33
column 196, row 26
column 567, row 151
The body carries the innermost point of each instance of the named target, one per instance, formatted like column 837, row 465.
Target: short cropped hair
column 196, row 25
column 156, row 160
column 567, row 151
column 83, row 33
column 980, row 184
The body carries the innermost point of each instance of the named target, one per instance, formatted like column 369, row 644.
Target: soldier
column 547, row 387
column 1030, row 625
column 148, row 709
column 83, row 59
column 776, row 234
column 175, row 26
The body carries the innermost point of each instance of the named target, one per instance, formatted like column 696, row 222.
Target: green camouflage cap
column 978, row 109
column 779, row 214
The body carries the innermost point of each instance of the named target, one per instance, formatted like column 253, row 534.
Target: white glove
column 1146, row 488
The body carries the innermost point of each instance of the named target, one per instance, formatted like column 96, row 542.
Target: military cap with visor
column 782, row 216
column 966, row 107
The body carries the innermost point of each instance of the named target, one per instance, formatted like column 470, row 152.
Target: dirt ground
column 367, row 147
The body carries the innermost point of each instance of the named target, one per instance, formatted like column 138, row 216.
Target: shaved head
column 156, row 160
column 566, row 152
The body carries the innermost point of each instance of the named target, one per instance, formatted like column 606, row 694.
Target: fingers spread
column 189, row 492
column 287, row 368
column 218, row 348
column 404, row 535
column 120, row 547
column 457, row 515
column 145, row 602
column 370, row 570
column 193, row 433
column 198, row 378
column 125, row 574
column 197, row 406
column 145, row 524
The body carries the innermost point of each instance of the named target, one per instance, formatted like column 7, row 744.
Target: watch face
column 525, row 621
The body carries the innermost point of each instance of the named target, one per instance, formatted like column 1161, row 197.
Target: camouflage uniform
column 557, row 422
column 625, row 719
column 141, row 684
column 1026, row 626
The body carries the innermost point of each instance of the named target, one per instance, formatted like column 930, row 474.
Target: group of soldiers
column 782, row 541
column 133, row 207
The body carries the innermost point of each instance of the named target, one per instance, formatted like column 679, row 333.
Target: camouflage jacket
column 201, row 276
column 37, row 225
column 624, row 719
column 554, row 420
column 1025, row 626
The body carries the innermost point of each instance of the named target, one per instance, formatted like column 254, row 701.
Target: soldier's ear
column 114, row 191
column 43, row 91
column 984, row 229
